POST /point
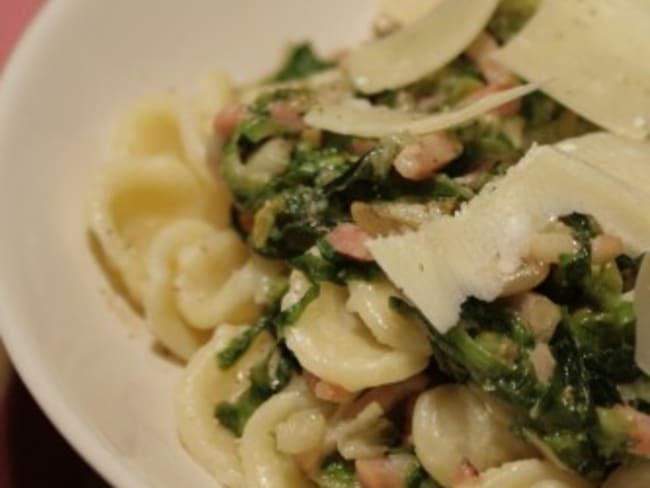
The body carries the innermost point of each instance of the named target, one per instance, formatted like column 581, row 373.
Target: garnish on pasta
column 418, row 263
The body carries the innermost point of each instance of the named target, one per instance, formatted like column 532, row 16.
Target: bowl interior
column 84, row 355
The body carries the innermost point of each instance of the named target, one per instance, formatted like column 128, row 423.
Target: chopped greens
column 417, row 477
column 336, row 472
column 331, row 266
column 240, row 344
column 301, row 62
column 510, row 17
column 267, row 377
column 593, row 347
column 270, row 375
column 574, row 415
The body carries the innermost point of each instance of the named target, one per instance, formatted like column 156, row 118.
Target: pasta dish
column 415, row 263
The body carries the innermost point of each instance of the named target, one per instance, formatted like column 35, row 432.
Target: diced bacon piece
column 228, row 119
column 380, row 472
column 640, row 430
column 288, row 116
column 361, row 146
column 387, row 396
column 543, row 362
column 480, row 51
column 350, row 240
column 308, row 462
column 423, row 158
column 464, row 473
column 540, row 314
column 605, row 247
column 326, row 391
column 505, row 110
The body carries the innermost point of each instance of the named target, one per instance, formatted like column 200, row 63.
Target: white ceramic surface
column 87, row 360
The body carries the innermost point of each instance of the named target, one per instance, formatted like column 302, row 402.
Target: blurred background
column 32, row 453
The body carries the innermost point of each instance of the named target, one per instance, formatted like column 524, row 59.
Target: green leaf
column 331, row 266
column 259, row 126
column 565, row 284
column 240, row 344
column 510, row 17
column 264, row 383
column 301, row 62
column 445, row 187
column 289, row 316
column 417, row 477
column 336, row 472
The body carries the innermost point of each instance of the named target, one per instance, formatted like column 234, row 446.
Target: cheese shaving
column 406, row 11
column 474, row 252
column 421, row 48
column 357, row 118
column 621, row 158
column 595, row 53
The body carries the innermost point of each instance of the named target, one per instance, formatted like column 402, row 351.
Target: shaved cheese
column 421, row 48
column 595, row 52
column 474, row 252
column 606, row 151
column 358, row 118
column 406, row 11
column 642, row 308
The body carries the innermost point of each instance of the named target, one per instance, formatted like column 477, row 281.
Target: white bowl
column 86, row 359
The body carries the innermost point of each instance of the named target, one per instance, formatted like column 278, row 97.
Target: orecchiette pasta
column 152, row 128
column 633, row 475
column 529, row 473
column 303, row 431
column 452, row 424
column 361, row 436
column 133, row 201
column 335, row 345
column 203, row 268
column 201, row 387
column 370, row 299
column 263, row 231
column 176, row 125
column 161, row 310
column 235, row 300
column 197, row 281
column 406, row 11
column 264, row 465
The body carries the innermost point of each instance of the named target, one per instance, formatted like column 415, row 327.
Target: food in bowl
column 416, row 263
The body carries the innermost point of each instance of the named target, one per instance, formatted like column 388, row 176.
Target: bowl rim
column 88, row 444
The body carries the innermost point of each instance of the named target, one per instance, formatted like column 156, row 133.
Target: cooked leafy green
column 510, row 17
column 450, row 84
column 294, row 209
column 268, row 377
column 271, row 374
column 240, row 344
column 288, row 213
column 336, row 472
column 548, row 122
column 417, row 477
column 301, row 62
column 328, row 265
column 593, row 347
column 565, row 284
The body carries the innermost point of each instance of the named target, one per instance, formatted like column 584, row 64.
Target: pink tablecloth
column 14, row 15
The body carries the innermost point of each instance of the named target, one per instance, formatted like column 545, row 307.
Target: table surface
column 14, row 15
column 32, row 453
